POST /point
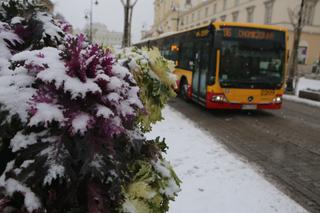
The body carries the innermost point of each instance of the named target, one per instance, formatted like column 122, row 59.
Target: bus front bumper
column 212, row 105
column 244, row 106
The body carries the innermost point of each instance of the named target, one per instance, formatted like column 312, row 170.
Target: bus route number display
column 248, row 34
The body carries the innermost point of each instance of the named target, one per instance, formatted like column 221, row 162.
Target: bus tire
column 184, row 89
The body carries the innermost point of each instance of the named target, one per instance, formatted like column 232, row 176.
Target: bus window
column 165, row 51
column 169, row 50
column 254, row 64
column 186, row 55
column 174, row 52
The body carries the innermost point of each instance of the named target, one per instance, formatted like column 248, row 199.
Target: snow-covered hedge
column 72, row 119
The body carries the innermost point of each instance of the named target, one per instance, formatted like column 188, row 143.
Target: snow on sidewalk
column 303, row 84
column 214, row 180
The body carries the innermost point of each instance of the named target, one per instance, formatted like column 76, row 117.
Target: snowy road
column 285, row 144
column 214, row 180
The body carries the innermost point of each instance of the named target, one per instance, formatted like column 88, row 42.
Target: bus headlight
column 219, row 98
column 277, row 100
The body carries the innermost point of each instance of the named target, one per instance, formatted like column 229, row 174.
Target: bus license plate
column 249, row 107
column 267, row 92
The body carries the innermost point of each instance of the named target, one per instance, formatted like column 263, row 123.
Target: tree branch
column 122, row 2
column 134, row 3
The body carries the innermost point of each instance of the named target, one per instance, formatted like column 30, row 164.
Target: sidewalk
column 215, row 180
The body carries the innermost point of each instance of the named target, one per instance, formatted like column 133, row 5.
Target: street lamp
column 89, row 15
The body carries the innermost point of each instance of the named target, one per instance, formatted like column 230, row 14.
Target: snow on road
column 214, row 180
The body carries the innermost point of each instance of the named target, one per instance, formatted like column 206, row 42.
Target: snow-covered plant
column 8, row 39
column 70, row 125
column 22, row 27
column 64, row 25
column 154, row 75
column 81, row 104
column 153, row 186
column 37, row 29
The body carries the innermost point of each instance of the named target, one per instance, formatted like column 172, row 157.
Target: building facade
column 179, row 15
column 101, row 35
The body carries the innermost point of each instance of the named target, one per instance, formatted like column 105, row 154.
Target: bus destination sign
column 202, row 33
column 242, row 33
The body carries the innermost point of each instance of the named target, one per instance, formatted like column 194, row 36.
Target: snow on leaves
column 154, row 77
column 71, row 76
column 15, row 91
column 103, row 111
column 45, row 114
column 56, row 154
column 21, row 141
column 31, row 201
column 50, row 28
column 171, row 186
column 152, row 187
column 7, row 39
column 81, row 123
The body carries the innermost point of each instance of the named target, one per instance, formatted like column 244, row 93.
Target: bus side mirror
column 218, row 39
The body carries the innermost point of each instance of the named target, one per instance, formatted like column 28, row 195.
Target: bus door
column 200, row 72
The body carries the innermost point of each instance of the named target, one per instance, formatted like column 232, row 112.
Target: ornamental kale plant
column 70, row 125
column 22, row 27
column 154, row 75
column 36, row 28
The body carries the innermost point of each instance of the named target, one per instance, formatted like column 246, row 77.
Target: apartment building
column 179, row 15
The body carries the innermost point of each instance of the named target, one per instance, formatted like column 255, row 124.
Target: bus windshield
column 252, row 62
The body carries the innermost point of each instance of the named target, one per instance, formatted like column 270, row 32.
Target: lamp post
column 89, row 15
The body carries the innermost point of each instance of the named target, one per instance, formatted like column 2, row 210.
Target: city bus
column 228, row 65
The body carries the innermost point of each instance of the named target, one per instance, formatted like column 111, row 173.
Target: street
column 284, row 144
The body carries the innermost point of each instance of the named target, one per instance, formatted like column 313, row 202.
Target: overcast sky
column 108, row 12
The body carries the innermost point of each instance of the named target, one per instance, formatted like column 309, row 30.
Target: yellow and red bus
column 228, row 65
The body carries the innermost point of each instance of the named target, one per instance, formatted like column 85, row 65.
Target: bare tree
column 128, row 8
column 297, row 21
